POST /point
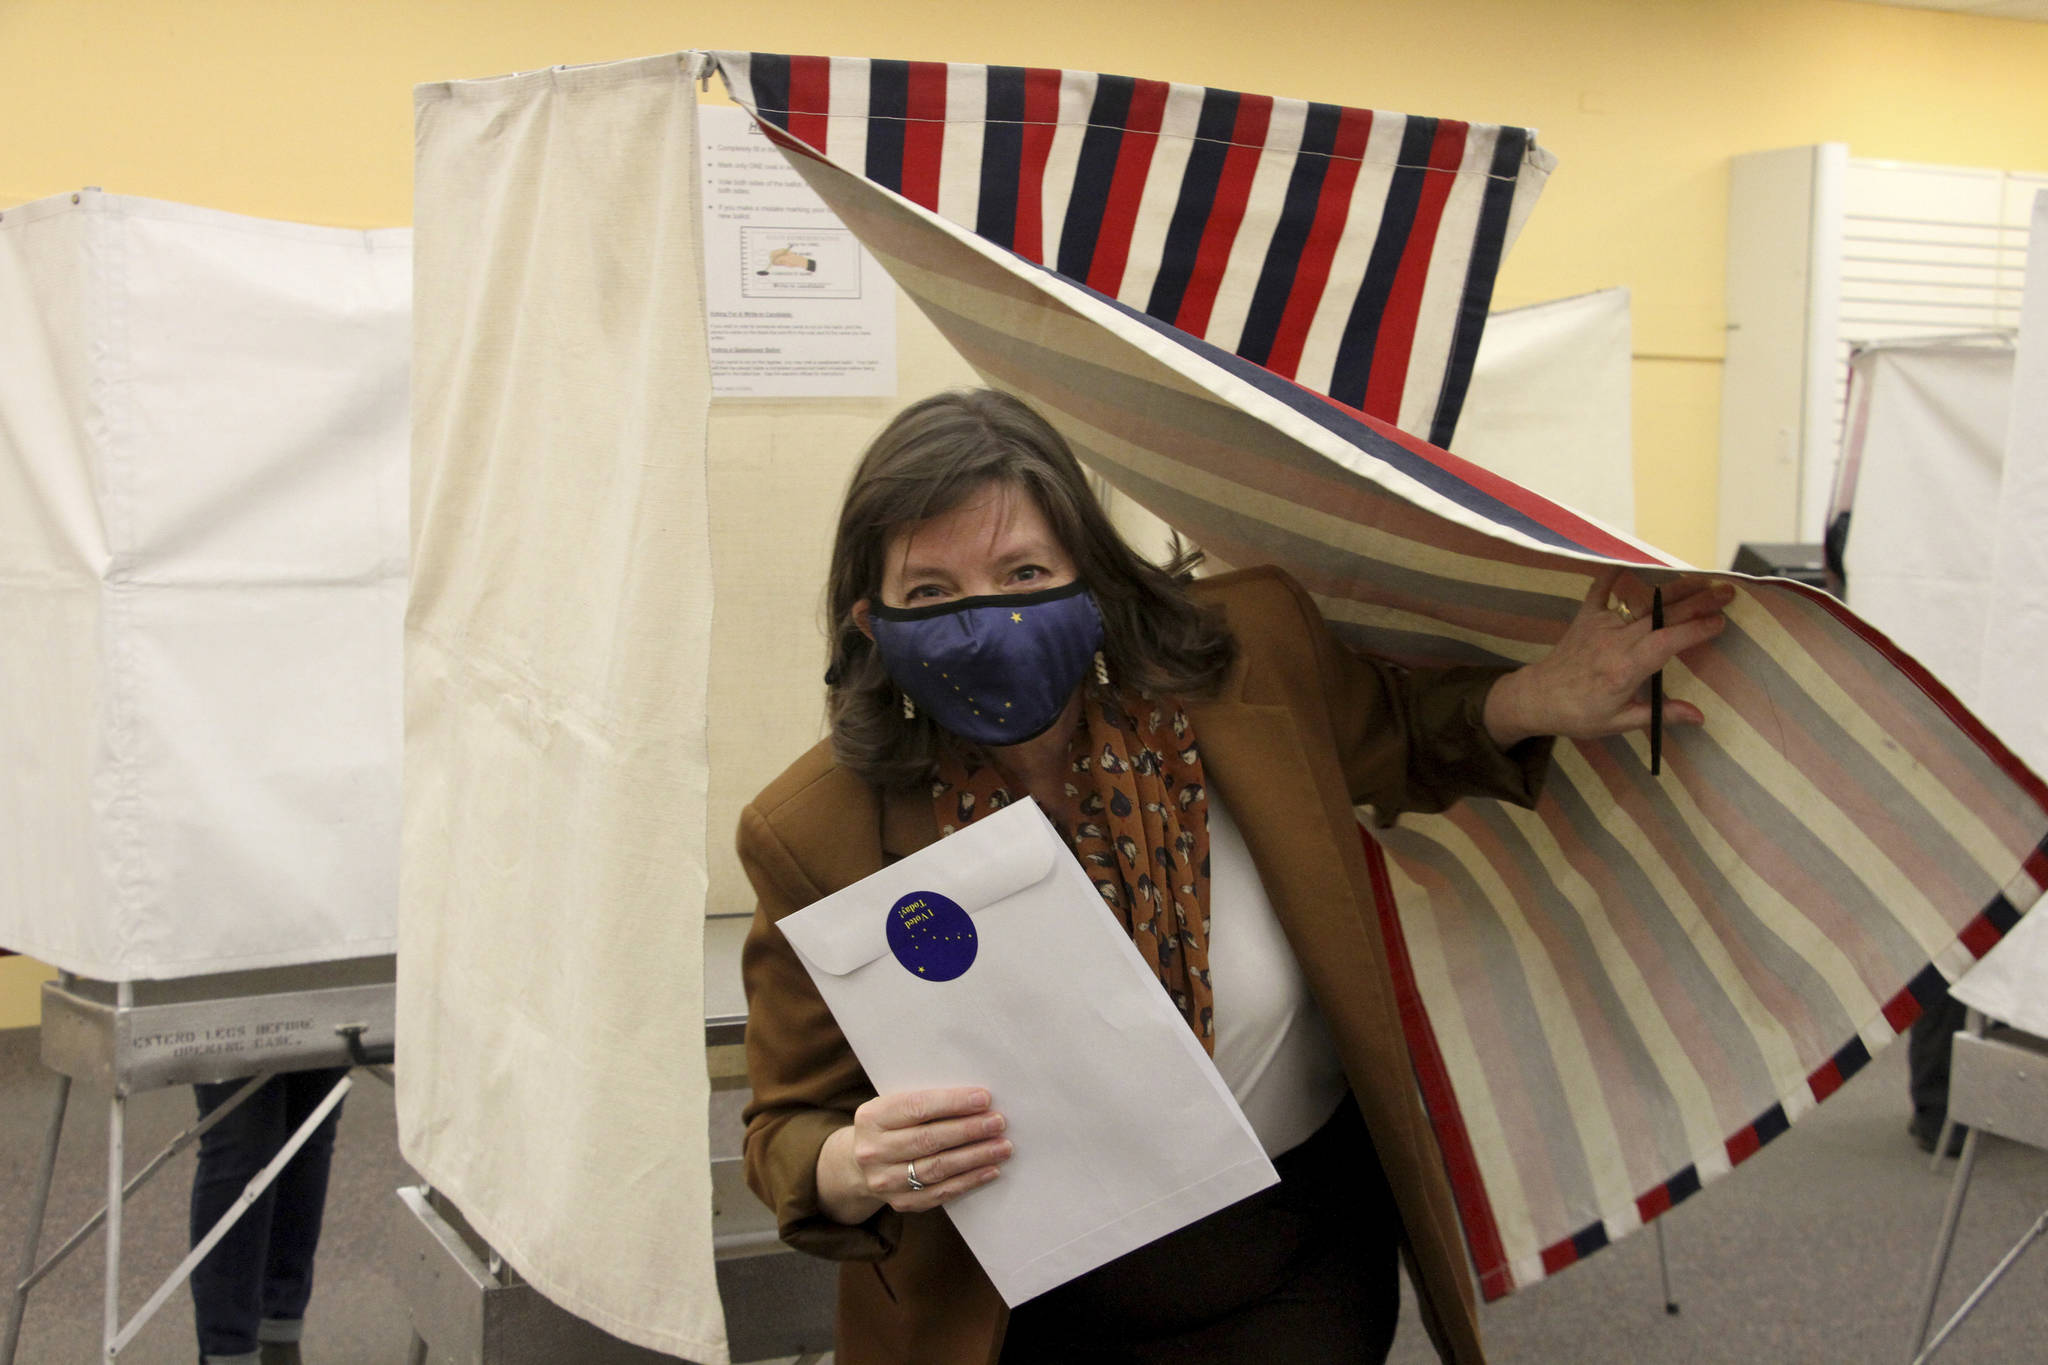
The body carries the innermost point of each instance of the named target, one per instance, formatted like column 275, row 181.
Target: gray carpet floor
column 1812, row 1252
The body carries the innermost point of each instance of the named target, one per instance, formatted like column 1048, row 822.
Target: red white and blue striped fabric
column 1627, row 991
column 1351, row 250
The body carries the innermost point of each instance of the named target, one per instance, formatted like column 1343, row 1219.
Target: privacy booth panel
column 558, row 640
column 203, row 427
column 1549, row 404
column 1926, row 439
column 2012, row 982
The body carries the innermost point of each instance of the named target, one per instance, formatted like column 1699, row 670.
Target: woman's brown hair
column 1156, row 640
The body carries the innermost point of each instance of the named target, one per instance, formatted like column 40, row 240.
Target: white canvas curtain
column 550, row 992
column 1927, row 436
column 202, row 573
column 1549, row 404
column 1947, row 459
column 2012, row 983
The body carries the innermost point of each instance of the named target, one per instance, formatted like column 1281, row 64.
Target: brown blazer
column 1301, row 731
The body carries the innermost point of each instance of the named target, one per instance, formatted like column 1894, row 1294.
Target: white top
column 1272, row 1046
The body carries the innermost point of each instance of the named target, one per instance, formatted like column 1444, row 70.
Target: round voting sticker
column 931, row 936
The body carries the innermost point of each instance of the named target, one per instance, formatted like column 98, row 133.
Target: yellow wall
column 299, row 110
column 21, row 982
column 292, row 109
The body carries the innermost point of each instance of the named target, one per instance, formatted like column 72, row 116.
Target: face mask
column 994, row 670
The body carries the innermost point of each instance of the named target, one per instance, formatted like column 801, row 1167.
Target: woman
column 1218, row 724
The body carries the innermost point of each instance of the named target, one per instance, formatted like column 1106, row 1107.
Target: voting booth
column 202, row 577
column 202, row 581
column 553, row 790
column 558, row 668
column 1988, row 551
column 1944, row 475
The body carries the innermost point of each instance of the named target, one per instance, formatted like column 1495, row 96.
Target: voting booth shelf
column 122, row 1038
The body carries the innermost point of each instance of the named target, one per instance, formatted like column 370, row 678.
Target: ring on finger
column 1620, row 608
column 910, row 1168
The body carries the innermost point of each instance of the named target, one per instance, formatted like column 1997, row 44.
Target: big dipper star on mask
column 994, row 670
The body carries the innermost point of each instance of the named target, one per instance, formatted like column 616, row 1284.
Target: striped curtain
column 1350, row 250
column 1627, row 991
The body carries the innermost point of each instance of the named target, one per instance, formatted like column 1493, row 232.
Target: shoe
column 1926, row 1131
column 280, row 1353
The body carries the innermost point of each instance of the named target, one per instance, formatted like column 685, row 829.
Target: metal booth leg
column 1952, row 1215
column 116, row 1161
column 250, row 1193
column 117, row 1118
column 92, row 1041
column 1990, row 1281
column 39, row 1204
column 117, row 1151
column 1664, row 1270
column 117, row 1337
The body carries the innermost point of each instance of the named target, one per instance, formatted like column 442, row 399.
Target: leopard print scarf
column 1137, row 815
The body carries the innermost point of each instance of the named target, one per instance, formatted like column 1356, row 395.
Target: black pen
column 1656, row 688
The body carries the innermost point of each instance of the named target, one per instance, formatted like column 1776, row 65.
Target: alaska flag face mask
column 994, row 670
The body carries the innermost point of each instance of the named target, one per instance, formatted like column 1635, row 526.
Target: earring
column 1101, row 669
column 909, row 708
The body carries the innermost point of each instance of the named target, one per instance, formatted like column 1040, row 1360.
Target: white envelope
column 1123, row 1130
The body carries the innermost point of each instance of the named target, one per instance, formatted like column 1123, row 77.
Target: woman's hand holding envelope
column 948, row 1140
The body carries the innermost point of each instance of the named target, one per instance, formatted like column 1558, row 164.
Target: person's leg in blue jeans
column 253, row 1287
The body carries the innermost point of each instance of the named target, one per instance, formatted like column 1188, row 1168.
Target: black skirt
column 1301, row 1271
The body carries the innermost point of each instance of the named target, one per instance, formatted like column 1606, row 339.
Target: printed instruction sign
column 796, row 307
